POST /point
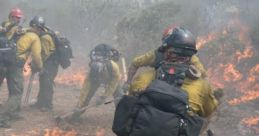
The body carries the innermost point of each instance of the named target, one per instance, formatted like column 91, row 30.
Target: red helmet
column 16, row 12
column 168, row 31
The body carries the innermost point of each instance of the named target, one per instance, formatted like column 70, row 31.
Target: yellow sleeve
column 201, row 99
column 36, row 52
column 210, row 102
column 48, row 46
column 84, row 92
column 196, row 61
column 5, row 24
column 9, row 34
column 113, row 83
column 142, row 81
column 146, row 59
column 28, row 44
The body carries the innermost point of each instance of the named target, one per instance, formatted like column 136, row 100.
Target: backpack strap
column 44, row 33
column 159, row 57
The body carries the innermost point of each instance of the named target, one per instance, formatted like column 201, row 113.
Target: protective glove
column 218, row 93
column 100, row 100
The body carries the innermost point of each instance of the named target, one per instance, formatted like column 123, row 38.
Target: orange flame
column 71, row 78
column 48, row 132
column 231, row 74
column 254, row 74
column 100, row 132
column 237, row 79
column 27, row 68
column 59, row 132
column 251, row 121
column 202, row 40
column 251, row 95
column 247, row 53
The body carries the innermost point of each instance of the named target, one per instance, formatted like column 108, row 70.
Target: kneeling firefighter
column 176, row 102
column 103, row 71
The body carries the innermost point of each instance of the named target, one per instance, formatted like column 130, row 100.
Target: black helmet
column 37, row 21
column 182, row 40
column 106, row 51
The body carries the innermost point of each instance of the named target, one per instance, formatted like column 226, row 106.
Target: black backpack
column 159, row 111
column 63, row 51
column 8, row 48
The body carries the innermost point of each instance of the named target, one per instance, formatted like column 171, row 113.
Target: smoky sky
column 90, row 25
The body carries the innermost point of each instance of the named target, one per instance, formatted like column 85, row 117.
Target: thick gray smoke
column 89, row 22
column 217, row 13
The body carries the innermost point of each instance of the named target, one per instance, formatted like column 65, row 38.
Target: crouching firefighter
column 105, row 71
column 152, row 59
column 176, row 102
column 21, row 45
column 51, row 45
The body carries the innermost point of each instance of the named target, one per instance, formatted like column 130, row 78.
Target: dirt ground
column 35, row 123
column 97, row 119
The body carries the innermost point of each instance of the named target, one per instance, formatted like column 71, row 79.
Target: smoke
column 216, row 14
column 89, row 22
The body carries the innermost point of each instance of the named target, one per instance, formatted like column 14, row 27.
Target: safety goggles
column 181, row 51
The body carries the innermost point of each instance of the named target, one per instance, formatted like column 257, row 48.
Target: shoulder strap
column 44, row 33
column 159, row 57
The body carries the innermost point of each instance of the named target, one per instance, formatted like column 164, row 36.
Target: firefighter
column 103, row 71
column 177, row 70
column 50, row 65
column 180, row 46
column 152, row 59
column 203, row 106
column 27, row 43
column 9, row 27
column 7, row 30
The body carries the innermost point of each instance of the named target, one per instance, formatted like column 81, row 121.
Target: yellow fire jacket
column 142, row 80
column 110, row 87
column 148, row 59
column 29, row 43
column 12, row 29
column 201, row 98
column 48, row 46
